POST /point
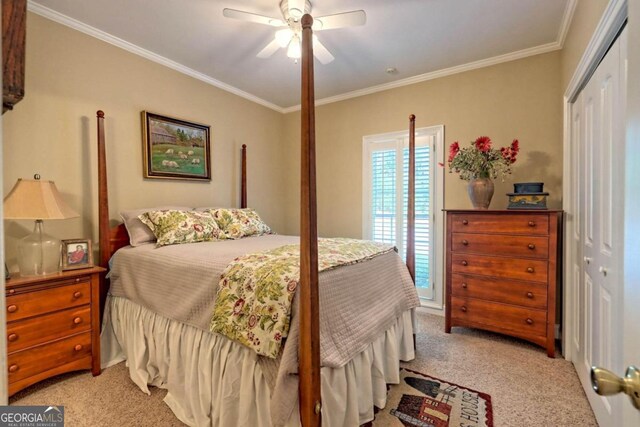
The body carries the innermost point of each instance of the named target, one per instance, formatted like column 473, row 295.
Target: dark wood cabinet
column 53, row 325
column 14, row 31
column 503, row 271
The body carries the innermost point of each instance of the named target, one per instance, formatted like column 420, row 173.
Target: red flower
column 198, row 227
column 515, row 146
column 453, row 150
column 277, row 336
column 483, row 143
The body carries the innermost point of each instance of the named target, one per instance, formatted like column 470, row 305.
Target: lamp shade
column 36, row 199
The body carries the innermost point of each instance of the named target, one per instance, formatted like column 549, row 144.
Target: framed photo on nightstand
column 76, row 254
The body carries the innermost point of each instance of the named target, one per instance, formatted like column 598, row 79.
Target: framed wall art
column 175, row 148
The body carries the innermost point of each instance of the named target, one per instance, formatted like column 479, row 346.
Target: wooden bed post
column 411, row 208
column 309, row 345
column 103, row 210
column 243, row 181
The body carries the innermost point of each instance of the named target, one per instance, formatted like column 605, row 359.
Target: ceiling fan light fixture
column 294, row 51
column 294, row 9
column 283, row 37
column 295, row 13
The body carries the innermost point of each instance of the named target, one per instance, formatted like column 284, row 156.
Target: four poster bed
column 336, row 361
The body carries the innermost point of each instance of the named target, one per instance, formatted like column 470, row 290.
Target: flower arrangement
column 479, row 160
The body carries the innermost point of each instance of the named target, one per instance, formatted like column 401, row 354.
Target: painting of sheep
column 175, row 149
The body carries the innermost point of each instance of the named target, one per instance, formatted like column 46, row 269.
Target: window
column 385, row 198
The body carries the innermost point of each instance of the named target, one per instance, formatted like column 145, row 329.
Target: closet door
column 600, row 112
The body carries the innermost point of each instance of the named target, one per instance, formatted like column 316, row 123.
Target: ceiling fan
column 290, row 36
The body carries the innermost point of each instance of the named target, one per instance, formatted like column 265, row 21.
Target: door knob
column 603, row 270
column 587, row 260
column 606, row 383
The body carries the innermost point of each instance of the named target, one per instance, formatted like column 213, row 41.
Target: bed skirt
column 213, row 381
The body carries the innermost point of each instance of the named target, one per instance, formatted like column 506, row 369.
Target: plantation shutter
column 383, row 196
column 423, row 212
column 389, row 170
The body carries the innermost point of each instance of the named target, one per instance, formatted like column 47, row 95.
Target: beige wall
column 519, row 99
column 53, row 132
column 584, row 22
column 70, row 75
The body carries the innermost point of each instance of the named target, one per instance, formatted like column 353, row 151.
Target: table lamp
column 34, row 199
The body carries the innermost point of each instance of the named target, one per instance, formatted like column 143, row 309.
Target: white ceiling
column 415, row 36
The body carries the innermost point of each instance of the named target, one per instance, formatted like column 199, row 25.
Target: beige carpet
column 526, row 387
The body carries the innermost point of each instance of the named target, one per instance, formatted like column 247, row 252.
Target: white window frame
column 399, row 140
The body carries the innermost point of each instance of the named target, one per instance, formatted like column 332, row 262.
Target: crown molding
column 60, row 18
column 147, row 54
column 613, row 19
column 524, row 53
column 567, row 18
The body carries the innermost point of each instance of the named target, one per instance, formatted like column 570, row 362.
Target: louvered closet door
column 597, row 129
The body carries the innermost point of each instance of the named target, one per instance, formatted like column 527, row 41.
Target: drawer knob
column 13, row 368
column 465, row 263
column 463, row 309
column 12, row 308
column 530, row 270
column 78, row 280
column 529, row 321
column 464, row 285
column 78, row 347
column 12, row 337
column 465, row 242
column 465, row 222
column 531, row 246
column 12, row 291
column 532, row 224
column 77, row 320
column 530, row 295
column 77, row 294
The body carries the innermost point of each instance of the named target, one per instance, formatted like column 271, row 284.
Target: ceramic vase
column 480, row 192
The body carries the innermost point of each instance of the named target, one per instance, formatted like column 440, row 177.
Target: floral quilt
column 253, row 305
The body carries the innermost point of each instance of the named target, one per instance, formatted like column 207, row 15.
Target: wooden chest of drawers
column 53, row 325
column 502, row 272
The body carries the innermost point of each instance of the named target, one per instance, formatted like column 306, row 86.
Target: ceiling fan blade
column 252, row 17
column 340, row 20
column 269, row 49
column 321, row 52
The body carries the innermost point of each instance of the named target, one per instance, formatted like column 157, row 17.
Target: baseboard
column 431, row 310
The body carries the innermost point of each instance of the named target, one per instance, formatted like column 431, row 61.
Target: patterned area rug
column 424, row 401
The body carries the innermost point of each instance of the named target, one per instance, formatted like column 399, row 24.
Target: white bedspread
column 358, row 302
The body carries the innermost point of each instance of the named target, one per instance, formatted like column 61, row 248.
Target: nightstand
column 53, row 325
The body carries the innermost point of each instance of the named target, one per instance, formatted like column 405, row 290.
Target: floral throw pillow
column 173, row 227
column 239, row 223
